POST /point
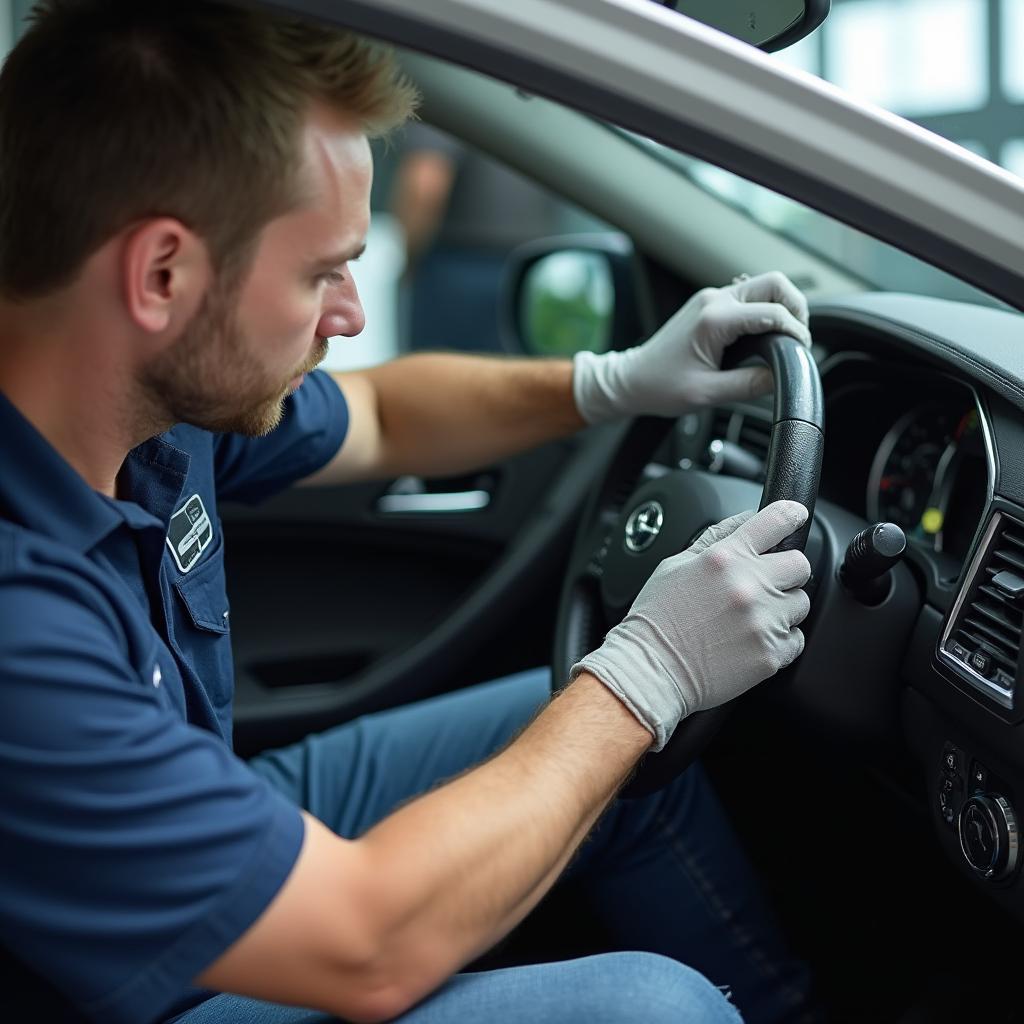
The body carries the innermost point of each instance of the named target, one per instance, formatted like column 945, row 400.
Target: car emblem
column 643, row 526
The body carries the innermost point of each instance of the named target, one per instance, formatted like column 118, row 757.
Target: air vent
column 983, row 636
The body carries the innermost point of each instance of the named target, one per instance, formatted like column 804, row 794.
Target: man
column 184, row 185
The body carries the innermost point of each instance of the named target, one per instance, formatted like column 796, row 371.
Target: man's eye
column 331, row 277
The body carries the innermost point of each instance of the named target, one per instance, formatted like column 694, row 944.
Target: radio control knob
column 988, row 836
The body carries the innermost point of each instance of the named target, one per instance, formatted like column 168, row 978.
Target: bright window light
column 1012, row 156
column 1013, row 50
column 914, row 57
column 376, row 275
column 975, row 147
column 803, row 55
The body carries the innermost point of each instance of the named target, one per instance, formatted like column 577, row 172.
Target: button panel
column 982, row 662
column 974, row 804
column 951, row 784
column 958, row 651
column 950, row 797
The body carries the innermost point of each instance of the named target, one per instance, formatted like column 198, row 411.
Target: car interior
column 876, row 785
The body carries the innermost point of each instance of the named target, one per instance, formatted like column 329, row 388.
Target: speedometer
column 906, row 485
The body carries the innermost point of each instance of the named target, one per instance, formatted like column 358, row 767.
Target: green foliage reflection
column 567, row 304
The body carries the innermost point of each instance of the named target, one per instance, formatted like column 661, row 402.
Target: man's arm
column 436, row 414
column 423, row 184
column 441, row 414
column 366, row 928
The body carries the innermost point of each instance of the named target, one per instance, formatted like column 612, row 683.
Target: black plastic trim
column 815, row 12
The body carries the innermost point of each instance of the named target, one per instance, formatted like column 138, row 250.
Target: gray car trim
column 986, row 344
column 1002, row 696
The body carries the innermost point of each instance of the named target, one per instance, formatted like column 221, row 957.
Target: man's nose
column 343, row 311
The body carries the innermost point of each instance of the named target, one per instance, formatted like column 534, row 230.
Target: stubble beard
column 209, row 380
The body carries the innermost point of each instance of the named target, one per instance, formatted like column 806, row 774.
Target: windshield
column 956, row 67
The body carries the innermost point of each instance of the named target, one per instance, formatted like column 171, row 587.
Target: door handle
column 409, row 495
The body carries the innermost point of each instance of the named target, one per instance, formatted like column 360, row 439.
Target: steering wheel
column 640, row 514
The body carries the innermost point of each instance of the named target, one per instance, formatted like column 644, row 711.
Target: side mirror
column 768, row 24
column 571, row 294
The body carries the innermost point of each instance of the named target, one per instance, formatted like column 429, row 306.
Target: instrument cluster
column 907, row 447
column 929, row 476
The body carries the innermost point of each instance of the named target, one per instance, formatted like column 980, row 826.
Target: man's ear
column 165, row 273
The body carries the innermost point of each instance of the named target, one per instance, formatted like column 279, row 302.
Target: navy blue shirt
column 134, row 846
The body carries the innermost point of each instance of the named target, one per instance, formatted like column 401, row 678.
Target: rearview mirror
column 768, row 24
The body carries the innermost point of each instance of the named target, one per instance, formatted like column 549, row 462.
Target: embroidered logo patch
column 189, row 533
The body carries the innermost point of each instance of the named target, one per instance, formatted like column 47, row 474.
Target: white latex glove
column 678, row 368
column 710, row 623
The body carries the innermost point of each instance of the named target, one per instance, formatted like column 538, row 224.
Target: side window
column 445, row 219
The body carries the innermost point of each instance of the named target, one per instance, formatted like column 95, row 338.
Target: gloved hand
column 678, row 368
column 710, row 623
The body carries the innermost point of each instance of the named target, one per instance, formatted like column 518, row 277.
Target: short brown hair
column 112, row 111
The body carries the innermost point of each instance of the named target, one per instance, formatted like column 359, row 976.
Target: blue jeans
column 664, row 875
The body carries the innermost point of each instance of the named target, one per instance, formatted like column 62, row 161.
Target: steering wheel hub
column 643, row 526
column 687, row 501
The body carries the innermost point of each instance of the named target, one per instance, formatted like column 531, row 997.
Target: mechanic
column 184, row 185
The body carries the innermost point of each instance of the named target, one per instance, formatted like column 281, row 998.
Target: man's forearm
column 365, row 928
column 440, row 414
column 491, row 843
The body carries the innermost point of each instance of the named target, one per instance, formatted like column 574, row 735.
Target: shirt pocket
column 204, row 630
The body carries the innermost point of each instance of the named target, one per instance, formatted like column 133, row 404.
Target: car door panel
column 327, row 591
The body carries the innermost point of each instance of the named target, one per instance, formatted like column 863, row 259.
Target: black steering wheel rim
column 591, row 597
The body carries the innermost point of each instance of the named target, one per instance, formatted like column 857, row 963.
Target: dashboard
column 928, row 476
column 906, row 445
column 903, row 444
column 924, row 427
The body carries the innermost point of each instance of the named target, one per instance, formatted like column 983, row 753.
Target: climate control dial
column 988, row 835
